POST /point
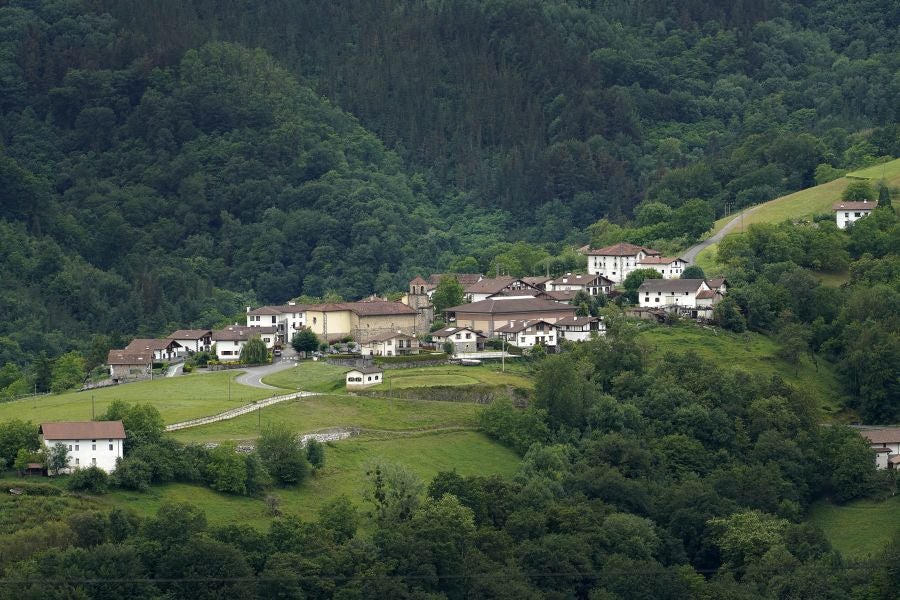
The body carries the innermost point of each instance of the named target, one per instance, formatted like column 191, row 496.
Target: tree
column 280, row 451
column 315, row 453
column 449, row 348
column 562, row 391
column 884, row 198
column 449, row 292
column 340, row 517
column 693, row 272
column 58, row 458
column 393, row 491
column 226, row 470
column 16, row 435
column 693, row 218
column 305, row 340
column 68, row 372
column 857, row 191
column 727, row 314
column 142, row 422
column 132, row 474
column 634, row 280
column 254, row 352
column 91, row 479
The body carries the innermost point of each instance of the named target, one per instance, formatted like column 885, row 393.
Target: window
column 70, row 446
column 110, row 446
column 856, row 214
column 459, row 336
column 76, row 447
column 93, row 461
column 93, row 446
column 656, row 299
column 77, row 461
column 369, row 378
column 468, row 336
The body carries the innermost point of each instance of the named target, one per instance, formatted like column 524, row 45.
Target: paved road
column 690, row 255
column 254, row 375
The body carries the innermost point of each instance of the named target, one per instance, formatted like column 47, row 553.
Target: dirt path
column 690, row 255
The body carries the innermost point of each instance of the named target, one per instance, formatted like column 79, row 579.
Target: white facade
column 668, row 268
column 529, row 333
column 847, row 213
column 580, row 329
column 592, row 284
column 230, row 341
column 91, row 452
column 617, row 261
column 287, row 320
column 660, row 296
column 360, row 378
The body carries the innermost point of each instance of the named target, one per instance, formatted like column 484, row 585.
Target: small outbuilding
column 362, row 377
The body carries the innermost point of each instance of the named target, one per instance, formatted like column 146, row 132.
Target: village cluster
column 522, row 312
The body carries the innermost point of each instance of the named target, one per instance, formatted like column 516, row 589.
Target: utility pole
column 503, row 356
column 93, row 412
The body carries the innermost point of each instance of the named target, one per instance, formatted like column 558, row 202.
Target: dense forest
column 163, row 164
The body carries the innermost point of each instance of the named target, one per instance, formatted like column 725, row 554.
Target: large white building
column 287, row 319
column 662, row 293
column 847, row 213
column 574, row 282
column 90, row 443
column 617, row 261
column 230, row 341
column 670, row 267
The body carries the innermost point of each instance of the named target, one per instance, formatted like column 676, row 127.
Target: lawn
column 858, row 529
column 889, row 170
column 749, row 351
column 469, row 453
column 454, row 375
column 310, row 376
column 176, row 398
column 706, row 260
column 315, row 413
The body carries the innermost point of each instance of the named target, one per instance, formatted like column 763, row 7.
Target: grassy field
column 310, row 376
column 316, row 413
column 454, row 375
column 887, row 171
column 858, row 529
column 177, row 398
column 749, row 351
column 470, row 453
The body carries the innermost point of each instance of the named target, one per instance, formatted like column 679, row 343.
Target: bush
column 315, row 453
column 187, row 369
column 39, row 489
column 132, row 474
column 92, row 479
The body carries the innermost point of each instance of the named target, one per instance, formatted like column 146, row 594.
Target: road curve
column 253, row 376
column 690, row 255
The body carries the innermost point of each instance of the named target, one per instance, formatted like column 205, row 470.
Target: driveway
column 691, row 253
column 254, row 375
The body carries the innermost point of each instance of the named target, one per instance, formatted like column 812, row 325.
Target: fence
column 237, row 412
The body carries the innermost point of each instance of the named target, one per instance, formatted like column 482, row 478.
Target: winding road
column 253, row 376
column 690, row 255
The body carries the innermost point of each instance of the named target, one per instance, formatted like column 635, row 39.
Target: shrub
column 132, row 474
column 187, row 369
column 92, row 479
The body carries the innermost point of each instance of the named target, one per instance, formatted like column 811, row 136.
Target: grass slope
column 749, row 351
column 316, row 413
column 858, row 529
column 887, row 171
column 176, row 398
column 469, row 453
column 310, row 376
column 453, row 375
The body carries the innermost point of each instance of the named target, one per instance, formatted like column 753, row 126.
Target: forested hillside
column 157, row 171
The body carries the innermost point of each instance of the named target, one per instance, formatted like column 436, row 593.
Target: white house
column 192, row 340
column 364, row 377
column 90, row 443
column 231, row 340
column 160, row 349
column 390, row 344
column 886, row 444
column 662, row 293
column 847, row 213
column 287, row 319
column 462, row 338
column 526, row 334
column 506, row 286
column 719, row 284
column 580, row 329
column 593, row 284
column 670, row 267
column 617, row 261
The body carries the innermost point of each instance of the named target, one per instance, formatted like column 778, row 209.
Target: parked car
column 276, row 352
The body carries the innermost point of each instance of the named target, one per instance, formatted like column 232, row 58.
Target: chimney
column 292, row 303
column 248, row 309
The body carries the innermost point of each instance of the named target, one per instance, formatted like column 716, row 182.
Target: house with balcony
column 390, row 344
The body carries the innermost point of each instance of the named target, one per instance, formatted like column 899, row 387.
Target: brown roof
column 123, row 357
column 190, row 334
column 854, row 205
column 536, row 280
column 894, row 460
column 448, row 331
column 378, row 307
column 83, row 430
column 576, row 320
column 517, row 326
column 706, row 294
column 882, row 450
column 498, row 306
column 418, row 281
column 391, row 335
column 716, row 282
column 579, row 279
column 278, row 309
column 889, row 435
column 367, row 370
column 490, row 286
column 562, row 295
column 659, row 260
column 237, row 333
column 143, row 344
column 671, row 285
column 621, row 249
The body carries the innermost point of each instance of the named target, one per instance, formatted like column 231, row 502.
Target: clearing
column 310, row 376
column 858, row 529
column 455, row 375
column 346, row 462
column 176, row 398
column 749, row 351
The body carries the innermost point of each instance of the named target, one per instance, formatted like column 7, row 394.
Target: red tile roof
column 889, row 435
column 499, row 306
column 123, row 357
column 659, row 260
column 854, row 205
column 238, row 333
column 621, row 249
column 189, row 334
column 83, row 430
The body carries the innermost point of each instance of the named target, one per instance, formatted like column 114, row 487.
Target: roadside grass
column 346, row 462
column 176, row 398
column 454, row 375
column 858, row 529
column 315, row 413
column 706, row 260
column 751, row 352
column 309, row 376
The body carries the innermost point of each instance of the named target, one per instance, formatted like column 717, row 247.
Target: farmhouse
column 670, row 267
column 462, row 338
column 580, row 329
column 527, row 334
column 662, row 293
column 886, row 444
column 364, row 377
column 592, row 284
column 128, row 365
column 160, row 349
column 390, row 344
column 90, row 443
column 486, row 316
column 192, row 340
column 361, row 321
column 287, row 319
column 617, row 261
column 231, row 340
column 507, row 286
column 847, row 213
